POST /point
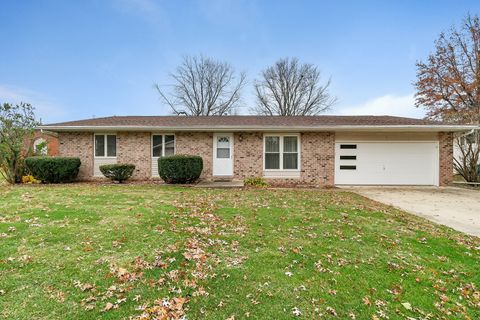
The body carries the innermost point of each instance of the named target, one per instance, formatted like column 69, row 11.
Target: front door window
column 223, row 147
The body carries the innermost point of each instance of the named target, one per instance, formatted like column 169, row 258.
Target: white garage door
column 386, row 163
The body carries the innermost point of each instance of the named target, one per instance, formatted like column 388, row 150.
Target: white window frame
column 105, row 134
column 163, row 143
column 282, row 135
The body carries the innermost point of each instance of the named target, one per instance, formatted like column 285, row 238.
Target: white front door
column 223, row 154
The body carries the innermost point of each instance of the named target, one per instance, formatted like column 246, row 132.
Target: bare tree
column 289, row 88
column 203, row 87
column 466, row 162
column 448, row 86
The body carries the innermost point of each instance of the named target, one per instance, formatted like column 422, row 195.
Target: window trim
column 163, row 143
column 105, row 134
column 282, row 135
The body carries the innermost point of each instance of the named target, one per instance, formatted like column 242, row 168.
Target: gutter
column 426, row 128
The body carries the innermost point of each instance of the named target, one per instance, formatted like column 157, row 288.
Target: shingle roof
column 244, row 121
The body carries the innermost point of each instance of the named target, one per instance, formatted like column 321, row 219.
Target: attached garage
column 387, row 163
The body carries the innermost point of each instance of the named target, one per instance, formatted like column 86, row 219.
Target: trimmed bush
column 53, row 169
column 180, row 168
column 117, row 172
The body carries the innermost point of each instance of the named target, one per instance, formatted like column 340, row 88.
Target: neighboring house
column 309, row 150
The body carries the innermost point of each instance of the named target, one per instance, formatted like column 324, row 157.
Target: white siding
column 155, row 167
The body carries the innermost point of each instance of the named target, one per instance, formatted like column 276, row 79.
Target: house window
column 272, row 153
column 281, row 152
column 223, row 147
column 163, row 145
column 40, row 147
column 105, row 145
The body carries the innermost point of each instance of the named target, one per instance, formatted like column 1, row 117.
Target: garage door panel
column 388, row 163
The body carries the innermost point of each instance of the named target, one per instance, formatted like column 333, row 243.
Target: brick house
column 303, row 150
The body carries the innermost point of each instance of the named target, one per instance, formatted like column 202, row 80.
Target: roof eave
column 431, row 128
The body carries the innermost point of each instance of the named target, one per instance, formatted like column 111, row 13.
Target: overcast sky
column 76, row 59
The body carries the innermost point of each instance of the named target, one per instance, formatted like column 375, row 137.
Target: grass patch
column 135, row 251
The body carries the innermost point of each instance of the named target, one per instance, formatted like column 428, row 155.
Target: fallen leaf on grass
column 296, row 312
column 407, row 305
column 366, row 301
column 109, row 306
column 331, row 311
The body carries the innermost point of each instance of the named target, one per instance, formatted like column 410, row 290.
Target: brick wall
column 248, row 155
column 317, row 167
column 318, row 158
column 78, row 144
column 317, row 154
column 197, row 143
column 135, row 148
column 446, row 157
column 50, row 137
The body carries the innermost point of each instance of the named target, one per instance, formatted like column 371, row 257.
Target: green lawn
column 126, row 251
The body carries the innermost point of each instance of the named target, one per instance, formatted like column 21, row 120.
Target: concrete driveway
column 457, row 208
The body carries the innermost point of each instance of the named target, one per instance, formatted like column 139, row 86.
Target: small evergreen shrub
column 53, row 169
column 180, row 168
column 256, row 182
column 117, row 172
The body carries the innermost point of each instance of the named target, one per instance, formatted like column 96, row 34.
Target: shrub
column 180, row 168
column 29, row 179
column 256, row 182
column 53, row 169
column 117, row 172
